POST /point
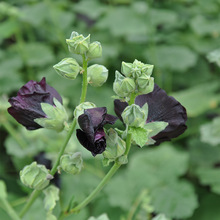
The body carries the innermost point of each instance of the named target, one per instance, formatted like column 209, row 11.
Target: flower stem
column 85, row 82
column 72, row 127
column 36, row 193
column 132, row 98
column 7, row 207
column 30, row 201
column 97, row 189
column 13, row 133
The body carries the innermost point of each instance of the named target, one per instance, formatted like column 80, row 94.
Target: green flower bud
column 78, row 44
column 134, row 116
column 123, row 86
column 126, row 68
column 145, row 84
column 79, row 110
column 71, row 163
column 136, row 69
column 56, row 116
column 68, row 68
column 95, row 50
column 97, row 75
column 115, row 146
column 35, row 176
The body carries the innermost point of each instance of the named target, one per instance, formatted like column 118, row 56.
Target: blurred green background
column 181, row 38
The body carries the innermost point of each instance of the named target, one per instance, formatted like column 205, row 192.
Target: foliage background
column 181, row 38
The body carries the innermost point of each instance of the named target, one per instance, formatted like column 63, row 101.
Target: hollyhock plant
column 92, row 135
column 161, row 107
column 26, row 106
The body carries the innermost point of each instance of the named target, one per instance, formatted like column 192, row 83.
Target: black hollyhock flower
column 26, row 106
column 92, row 135
column 161, row 107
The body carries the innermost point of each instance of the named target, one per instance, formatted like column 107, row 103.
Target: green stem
column 128, row 143
column 36, row 193
column 13, row 133
column 85, row 82
column 132, row 98
column 72, row 127
column 97, row 189
column 30, row 201
column 9, row 209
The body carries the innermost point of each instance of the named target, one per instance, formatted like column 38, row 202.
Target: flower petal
column 26, row 106
column 85, row 124
column 119, row 107
column 97, row 116
column 164, row 108
column 95, row 148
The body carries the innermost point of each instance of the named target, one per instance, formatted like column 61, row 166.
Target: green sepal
column 154, row 128
column 51, row 197
column 97, row 75
column 95, row 50
column 139, row 135
column 56, row 116
column 67, row 68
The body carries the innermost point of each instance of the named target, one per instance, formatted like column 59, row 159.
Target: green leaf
column 203, row 26
column 175, row 199
column 101, row 217
column 149, row 168
column 38, row 54
column 210, row 132
column 3, row 191
column 214, row 56
column 92, row 9
column 51, row 197
column 160, row 217
column 139, row 135
column 210, row 176
column 176, row 58
column 194, row 105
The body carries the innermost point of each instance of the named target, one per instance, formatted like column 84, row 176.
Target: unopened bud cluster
column 135, row 77
column 69, row 67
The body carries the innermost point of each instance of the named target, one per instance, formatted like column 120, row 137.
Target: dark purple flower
column 26, row 106
column 161, row 107
column 92, row 135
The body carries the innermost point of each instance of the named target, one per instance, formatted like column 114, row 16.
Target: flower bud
column 78, row 44
column 145, row 84
column 79, row 110
column 56, row 116
column 126, row 68
column 68, row 68
column 71, row 163
column 95, row 50
column 134, row 116
column 35, row 176
column 139, row 69
column 115, row 145
column 123, row 86
column 97, row 75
